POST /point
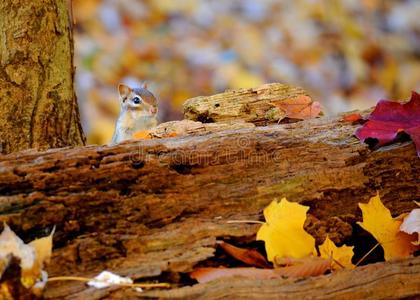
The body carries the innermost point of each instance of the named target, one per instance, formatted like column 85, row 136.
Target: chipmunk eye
column 136, row 100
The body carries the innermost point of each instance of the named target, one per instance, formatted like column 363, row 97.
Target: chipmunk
column 138, row 112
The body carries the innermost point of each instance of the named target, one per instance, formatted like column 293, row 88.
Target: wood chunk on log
column 255, row 105
column 188, row 127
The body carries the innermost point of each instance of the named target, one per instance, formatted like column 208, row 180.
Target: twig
column 84, row 279
column 245, row 221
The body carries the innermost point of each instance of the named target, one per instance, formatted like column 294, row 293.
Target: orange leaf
column 300, row 107
column 171, row 134
column 249, row 256
column 143, row 134
column 377, row 220
column 352, row 117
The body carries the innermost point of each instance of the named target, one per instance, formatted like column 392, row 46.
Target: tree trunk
column 38, row 106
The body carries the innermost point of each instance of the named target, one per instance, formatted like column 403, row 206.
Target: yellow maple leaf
column 283, row 231
column 377, row 220
column 341, row 255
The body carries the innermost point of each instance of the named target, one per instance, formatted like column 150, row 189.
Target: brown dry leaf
column 308, row 266
column 249, row 256
column 143, row 134
column 301, row 107
column 311, row 266
column 203, row 275
column 288, row 261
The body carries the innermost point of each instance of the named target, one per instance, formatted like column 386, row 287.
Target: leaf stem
column 369, row 252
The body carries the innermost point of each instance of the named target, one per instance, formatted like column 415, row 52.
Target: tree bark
column 155, row 208
column 398, row 280
column 38, row 106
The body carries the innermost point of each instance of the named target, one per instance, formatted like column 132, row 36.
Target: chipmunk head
column 138, row 99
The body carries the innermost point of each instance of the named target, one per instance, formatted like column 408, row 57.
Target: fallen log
column 153, row 209
column 396, row 280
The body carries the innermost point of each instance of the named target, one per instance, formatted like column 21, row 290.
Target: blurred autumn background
column 347, row 54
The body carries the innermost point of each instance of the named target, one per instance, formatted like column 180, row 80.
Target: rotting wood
column 188, row 127
column 255, row 105
column 396, row 280
column 155, row 208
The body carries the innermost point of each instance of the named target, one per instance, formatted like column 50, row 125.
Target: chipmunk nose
column 153, row 110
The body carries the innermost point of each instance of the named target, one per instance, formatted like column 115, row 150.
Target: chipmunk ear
column 124, row 90
column 144, row 84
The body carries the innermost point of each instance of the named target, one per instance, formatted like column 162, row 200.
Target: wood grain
column 255, row 105
column 396, row 280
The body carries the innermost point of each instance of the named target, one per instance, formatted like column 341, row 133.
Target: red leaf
column 389, row 118
column 249, row 256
